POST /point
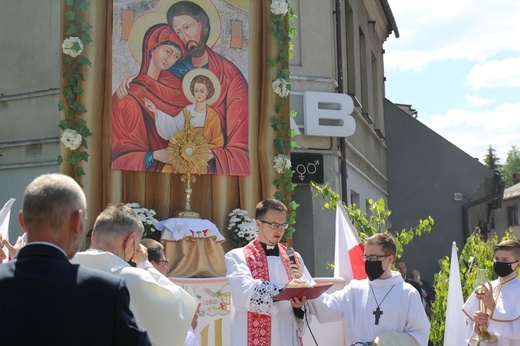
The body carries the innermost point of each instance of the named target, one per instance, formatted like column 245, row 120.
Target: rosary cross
column 377, row 313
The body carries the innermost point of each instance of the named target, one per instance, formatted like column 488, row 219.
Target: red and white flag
column 5, row 214
column 348, row 263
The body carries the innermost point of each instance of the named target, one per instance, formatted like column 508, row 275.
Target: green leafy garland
column 75, row 129
column 283, row 29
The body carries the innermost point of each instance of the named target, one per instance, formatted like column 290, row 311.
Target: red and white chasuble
column 254, row 279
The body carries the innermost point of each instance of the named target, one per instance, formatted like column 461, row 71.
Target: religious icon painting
column 180, row 61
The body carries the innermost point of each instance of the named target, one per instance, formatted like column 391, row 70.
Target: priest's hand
column 298, row 303
column 295, row 270
column 487, row 296
column 141, row 255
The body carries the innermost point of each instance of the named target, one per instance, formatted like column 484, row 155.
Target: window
column 512, row 216
column 355, row 198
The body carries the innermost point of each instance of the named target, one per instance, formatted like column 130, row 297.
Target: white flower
column 72, row 46
column 279, row 7
column 281, row 87
column 146, row 216
column 282, row 163
column 71, row 139
column 243, row 228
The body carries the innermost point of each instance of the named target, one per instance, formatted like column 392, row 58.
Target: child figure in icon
column 204, row 118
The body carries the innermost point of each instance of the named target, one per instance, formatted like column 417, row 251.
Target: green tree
column 512, row 165
column 476, row 254
column 368, row 225
column 493, row 162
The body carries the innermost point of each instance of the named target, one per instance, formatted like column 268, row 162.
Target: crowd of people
column 95, row 297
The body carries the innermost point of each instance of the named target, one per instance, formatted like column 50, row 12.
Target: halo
column 186, row 81
column 147, row 20
column 243, row 4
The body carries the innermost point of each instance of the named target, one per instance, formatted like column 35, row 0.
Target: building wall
column 424, row 172
column 315, row 68
column 501, row 215
column 29, row 93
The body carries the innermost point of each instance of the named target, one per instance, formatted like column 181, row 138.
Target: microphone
column 290, row 254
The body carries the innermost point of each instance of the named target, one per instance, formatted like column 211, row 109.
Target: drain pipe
column 339, row 62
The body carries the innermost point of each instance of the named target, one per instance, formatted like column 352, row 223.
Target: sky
column 457, row 62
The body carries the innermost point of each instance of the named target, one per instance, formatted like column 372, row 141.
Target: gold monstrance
column 188, row 155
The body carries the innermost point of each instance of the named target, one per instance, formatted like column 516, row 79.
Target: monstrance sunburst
column 188, row 155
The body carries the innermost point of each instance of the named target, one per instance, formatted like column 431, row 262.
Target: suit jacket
column 46, row 300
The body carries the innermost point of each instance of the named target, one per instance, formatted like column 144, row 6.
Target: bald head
column 53, row 210
column 49, row 199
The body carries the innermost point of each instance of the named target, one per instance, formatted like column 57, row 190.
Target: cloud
column 495, row 73
column 471, row 30
column 473, row 131
column 477, row 101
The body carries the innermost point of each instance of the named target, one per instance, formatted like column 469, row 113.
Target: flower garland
column 283, row 29
column 74, row 129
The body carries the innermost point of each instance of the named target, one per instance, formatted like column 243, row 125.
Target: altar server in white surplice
column 382, row 306
column 501, row 298
column 256, row 273
column 160, row 307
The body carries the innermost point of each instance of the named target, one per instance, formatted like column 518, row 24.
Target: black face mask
column 503, row 269
column 374, row 269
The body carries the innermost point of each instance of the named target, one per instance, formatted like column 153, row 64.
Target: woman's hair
column 202, row 80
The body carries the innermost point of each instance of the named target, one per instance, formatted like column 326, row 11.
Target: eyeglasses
column 164, row 261
column 372, row 258
column 275, row 225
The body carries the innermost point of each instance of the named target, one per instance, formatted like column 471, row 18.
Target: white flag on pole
column 455, row 320
column 348, row 263
column 5, row 214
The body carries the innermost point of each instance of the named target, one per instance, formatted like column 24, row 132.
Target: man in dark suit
column 401, row 267
column 45, row 299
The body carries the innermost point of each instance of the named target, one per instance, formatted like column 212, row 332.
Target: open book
column 299, row 292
